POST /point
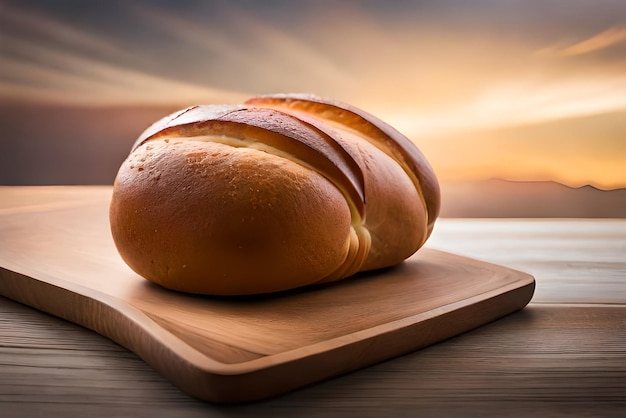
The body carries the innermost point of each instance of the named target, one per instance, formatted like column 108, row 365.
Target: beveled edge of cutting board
column 211, row 380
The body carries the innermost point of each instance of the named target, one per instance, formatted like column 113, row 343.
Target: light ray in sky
column 607, row 38
column 516, row 104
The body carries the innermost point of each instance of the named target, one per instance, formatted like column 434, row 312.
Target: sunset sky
column 521, row 90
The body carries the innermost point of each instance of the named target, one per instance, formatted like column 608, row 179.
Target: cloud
column 47, row 60
column 175, row 58
column 207, row 40
column 80, row 80
column 606, row 39
column 236, row 48
column 33, row 25
column 515, row 103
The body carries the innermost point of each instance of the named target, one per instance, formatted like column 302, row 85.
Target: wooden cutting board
column 57, row 255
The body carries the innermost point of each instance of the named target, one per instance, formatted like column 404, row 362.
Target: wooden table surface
column 563, row 355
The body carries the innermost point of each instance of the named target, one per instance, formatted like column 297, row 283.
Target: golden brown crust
column 205, row 217
column 372, row 129
column 261, row 197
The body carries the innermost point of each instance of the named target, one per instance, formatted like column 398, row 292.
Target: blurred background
column 520, row 106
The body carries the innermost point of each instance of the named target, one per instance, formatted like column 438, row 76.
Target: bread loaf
column 280, row 192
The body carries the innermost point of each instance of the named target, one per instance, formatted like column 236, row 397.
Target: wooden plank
column 573, row 260
column 62, row 260
column 542, row 361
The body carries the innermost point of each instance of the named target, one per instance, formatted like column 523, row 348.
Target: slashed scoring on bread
column 280, row 192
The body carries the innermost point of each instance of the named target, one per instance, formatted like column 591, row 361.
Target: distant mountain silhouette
column 541, row 199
